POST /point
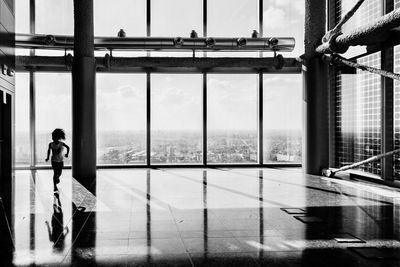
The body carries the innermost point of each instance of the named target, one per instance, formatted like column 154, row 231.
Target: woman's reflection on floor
column 57, row 231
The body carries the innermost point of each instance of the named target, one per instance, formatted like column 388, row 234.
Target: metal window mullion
column 148, row 22
column 148, row 118
column 148, row 18
column 148, row 90
column 260, row 119
column 32, row 90
column 32, row 117
column 204, row 18
column 204, row 96
column 204, row 99
column 260, row 90
column 261, row 17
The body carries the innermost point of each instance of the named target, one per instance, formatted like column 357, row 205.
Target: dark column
column 315, row 93
column 84, row 96
column 6, row 244
column 387, row 127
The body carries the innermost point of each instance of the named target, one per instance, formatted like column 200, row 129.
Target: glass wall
column 282, row 118
column 53, row 110
column 176, row 100
column 121, row 118
column 358, row 115
column 232, row 118
column 176, row 118
column 22, row 120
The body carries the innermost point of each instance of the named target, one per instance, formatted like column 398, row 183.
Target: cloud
column 129, row 91
column 295, row 5
column 275, row 18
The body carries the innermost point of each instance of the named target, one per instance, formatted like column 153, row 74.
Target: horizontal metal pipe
column 282, row 44
column 369, row 34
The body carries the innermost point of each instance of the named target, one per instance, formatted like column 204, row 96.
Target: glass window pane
column 229, row 18
column 22, row 120
column 358, row 116
column 22, row 16
column 121, row 118
column 110, row 17
column 282, row 118
column 176, row 118
column 232, row 18
column 232, row 118
column 285, row 19
column 53, row 110
column 54, row 17
column 368, row 12
column 176, row 18
column 22, row 22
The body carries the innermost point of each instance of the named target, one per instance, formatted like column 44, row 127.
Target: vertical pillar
column 84, row 96
column 315, row 92
column 387, row 127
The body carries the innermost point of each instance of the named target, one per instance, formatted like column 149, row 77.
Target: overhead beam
column 125, row 64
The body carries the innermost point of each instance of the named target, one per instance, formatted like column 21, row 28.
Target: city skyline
column 170, row 147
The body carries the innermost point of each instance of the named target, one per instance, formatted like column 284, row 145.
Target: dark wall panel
column 7, row 89
column 7, row 41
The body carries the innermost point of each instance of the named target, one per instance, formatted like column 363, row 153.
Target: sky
column 232, row 98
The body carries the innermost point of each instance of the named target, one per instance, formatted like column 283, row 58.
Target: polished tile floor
column 202, row 217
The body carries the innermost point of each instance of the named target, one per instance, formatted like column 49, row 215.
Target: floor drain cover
column 308, row 219
column 294, row 210
column 347, row 238
column 377, row 253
